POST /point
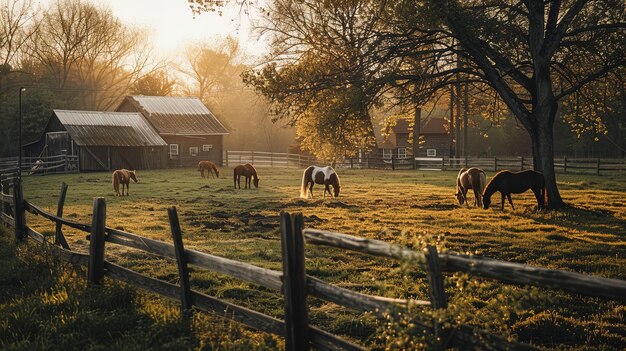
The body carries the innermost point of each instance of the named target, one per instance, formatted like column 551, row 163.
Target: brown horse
column 247, row 171
column 208, row 166
column 508, row 183
column 319, row 175
column 473, row 178
column 123, row 176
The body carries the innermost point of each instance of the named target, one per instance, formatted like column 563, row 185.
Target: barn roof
column 430, row 126
column 94, row 128
column 178, row 115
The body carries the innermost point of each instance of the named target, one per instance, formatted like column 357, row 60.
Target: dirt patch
column 204, row 187
column 339, row 204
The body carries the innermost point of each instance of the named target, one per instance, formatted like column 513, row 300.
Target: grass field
column 407, row 207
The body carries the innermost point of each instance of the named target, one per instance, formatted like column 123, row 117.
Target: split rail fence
column 41, row 165
column 596, row 166
column 292, row 282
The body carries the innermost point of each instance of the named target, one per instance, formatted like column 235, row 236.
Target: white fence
column 267, row 159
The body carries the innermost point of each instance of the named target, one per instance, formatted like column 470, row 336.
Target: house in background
column 103, row 141
column 190, row 130
column 395, row 142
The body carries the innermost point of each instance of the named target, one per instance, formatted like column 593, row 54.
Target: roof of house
column 94, row 128
column 178, row 115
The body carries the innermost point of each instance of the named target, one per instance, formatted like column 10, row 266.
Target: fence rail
column 597, row 166
column 267, row 159
column 293, row 281
column 40, row 165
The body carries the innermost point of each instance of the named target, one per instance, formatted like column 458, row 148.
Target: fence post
column 181, row 259
column 393, row 165
column 598, row 168
column 443, row 163
column 564, row 165
column 18, row 209
column 294, row 283
column 495, row 164
column 59, row 238
column 435, row 281
column 95, row 272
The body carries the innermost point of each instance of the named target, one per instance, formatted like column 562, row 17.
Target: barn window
column 173, row 149
column 207, row 147
column 431, row 152
column 387, row 153
column 402, row 152
column 193, row 151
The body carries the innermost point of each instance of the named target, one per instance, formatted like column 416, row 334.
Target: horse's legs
column 502, row 195
column 539, row 198
column 510, row 201
column 127, row 187
column 477, row 200
column 311, row 189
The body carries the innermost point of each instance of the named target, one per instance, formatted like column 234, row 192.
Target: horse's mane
column 489, row 188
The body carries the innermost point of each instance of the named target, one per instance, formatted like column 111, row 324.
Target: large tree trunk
column 543, row 154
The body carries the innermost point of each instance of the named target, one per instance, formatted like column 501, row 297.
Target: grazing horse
column 473, row 178
column 247, row 171
column 319, row 175
column 508, row 183
column 123, row 176
column 208, row 166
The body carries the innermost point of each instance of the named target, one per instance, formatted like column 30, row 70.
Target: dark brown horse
column 473, row 178
column 508, row 183
column 123, row 176
column 208, row 166
column 247, row 171
column 319, row 175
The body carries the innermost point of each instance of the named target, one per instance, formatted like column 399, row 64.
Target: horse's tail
column 116, row 182
column 303, row 188
column 482, row 181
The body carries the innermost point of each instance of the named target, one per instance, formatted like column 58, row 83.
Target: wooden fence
column 41, row 165
column 564, row 165
column 267, row 159
column 293, row 282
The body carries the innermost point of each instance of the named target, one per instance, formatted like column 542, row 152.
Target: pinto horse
column 473, row 178
column 208, row 166
column 319, row 175
column 247, row 171
column 508, row 183
column 123, row 176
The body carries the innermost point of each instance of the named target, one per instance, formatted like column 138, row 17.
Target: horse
column 473, row 178
column 208, row 166
column 123, row 176
column 247, row 171
column 319, row 175
column 508, row 183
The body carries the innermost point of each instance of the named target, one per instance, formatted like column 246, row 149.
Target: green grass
column 407, row 207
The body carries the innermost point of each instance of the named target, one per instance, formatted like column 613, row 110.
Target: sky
column 172, row 24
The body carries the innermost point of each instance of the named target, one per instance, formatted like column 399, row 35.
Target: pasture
column 412, row 208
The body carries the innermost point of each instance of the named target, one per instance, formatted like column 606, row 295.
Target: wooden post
column 59, row 238
column 19, row 212
column 351, row 163
column 393, row 166
column 598, row 168
column 465, row 158
column 294, row 283
column 495, row 164
column 95, row 272
column 521, row 164
column 443, row 163
column 181, row 258
column 435, row 281
column 564, row 165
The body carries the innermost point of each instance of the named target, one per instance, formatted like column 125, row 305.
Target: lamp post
column 19, row 127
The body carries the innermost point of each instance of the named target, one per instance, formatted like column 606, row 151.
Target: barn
column 190, row 130
column 103, row 141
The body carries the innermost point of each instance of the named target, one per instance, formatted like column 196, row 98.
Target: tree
column 157, row 83
column 15, row 31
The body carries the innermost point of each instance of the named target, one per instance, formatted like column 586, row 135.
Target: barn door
column 58, row 143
